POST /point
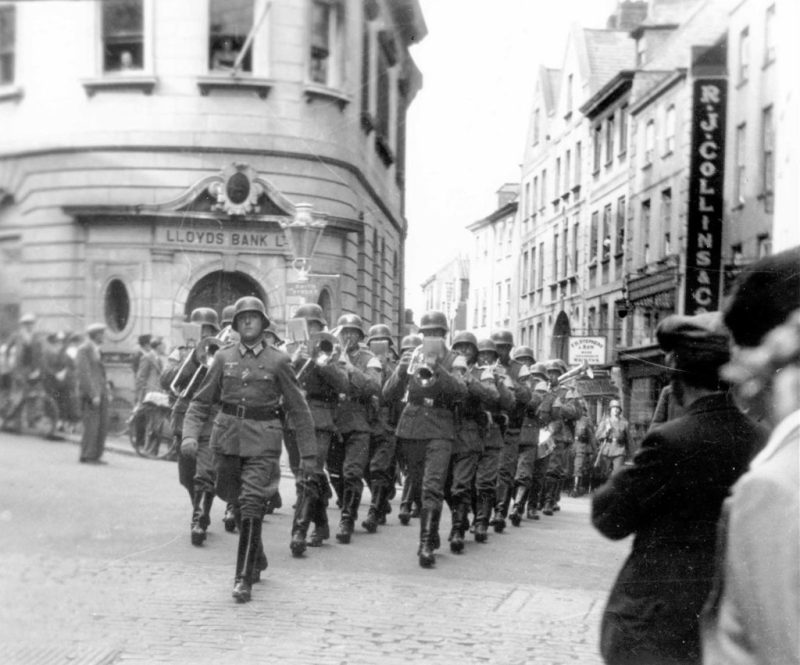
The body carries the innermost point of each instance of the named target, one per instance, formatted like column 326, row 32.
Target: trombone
column 584, row 369
column 205, row 351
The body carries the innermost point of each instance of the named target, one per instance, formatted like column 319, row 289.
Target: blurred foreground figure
column 670, row 499
column 753, row 614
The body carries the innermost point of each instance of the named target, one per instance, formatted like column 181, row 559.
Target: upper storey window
column 123, row 35
column 230, row 21
column 7, row 43
column 325, row 56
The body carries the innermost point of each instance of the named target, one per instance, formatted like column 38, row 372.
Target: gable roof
column 608, row 52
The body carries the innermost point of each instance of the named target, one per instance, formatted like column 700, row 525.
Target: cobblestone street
column 96, row 567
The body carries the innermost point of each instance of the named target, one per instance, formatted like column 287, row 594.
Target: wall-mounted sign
column 215, row 238
column 704, row 219
column 589, row 349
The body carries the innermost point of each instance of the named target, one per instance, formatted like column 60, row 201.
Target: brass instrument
column 205, row 351
column 584, row 369
column 324, row 349
column 421, row 368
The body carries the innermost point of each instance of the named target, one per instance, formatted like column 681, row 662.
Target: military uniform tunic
column 250, row 383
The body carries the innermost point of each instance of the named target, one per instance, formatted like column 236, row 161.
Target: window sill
column 576, row 189
column 741, row 84
column 596, row 172
column 668, row 153
column 647, row 166
column 767, row 63
column 622, row 155
column 11, row 93
column 258, row 85
column 383, row 150
column 314, row 91
column 738, row 206
column 141, row 83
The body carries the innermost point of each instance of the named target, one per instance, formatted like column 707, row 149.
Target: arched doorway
column 219, row 289
column 559, row 345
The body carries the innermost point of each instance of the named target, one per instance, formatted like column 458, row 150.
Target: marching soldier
column 352, row 419
column 585, row 450
column 249, row 379
column 541, row 386
column 195, row 471
column 495, row 403
column 411, row 498
column 382, row 439
column 504, row 342
column 559, row 410
column 431, row 394
column 470, row 428
column 322, row 380
column 528, row 451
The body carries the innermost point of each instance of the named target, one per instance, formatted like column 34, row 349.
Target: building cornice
column 399, row 223
column 506, row 210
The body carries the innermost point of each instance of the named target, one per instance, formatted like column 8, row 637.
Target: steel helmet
column 522, row 352
column 465, row 337
column 433, row 321
column 539, row 369
column 352, row 322
column 379, row 331
column 311, row 312
column 28, row 318
column 205, row 316
column 487, row 345
column 249, row 304
column 556, row 365
column 503, row 337
column 227, row 315
column 410, row 342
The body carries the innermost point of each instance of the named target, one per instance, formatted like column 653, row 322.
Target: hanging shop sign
column 704, row 220
column 589, row 349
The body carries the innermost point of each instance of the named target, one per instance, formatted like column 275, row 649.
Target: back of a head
column 764, row 295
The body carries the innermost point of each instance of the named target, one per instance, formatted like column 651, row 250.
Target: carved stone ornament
column 238, row 192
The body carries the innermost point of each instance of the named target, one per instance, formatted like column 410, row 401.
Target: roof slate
column 608, row 52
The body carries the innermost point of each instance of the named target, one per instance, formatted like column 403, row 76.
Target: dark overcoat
column 670, row 499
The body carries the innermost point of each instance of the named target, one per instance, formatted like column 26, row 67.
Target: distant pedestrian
column 670, row 498
column 93, row 394
column 614, row 437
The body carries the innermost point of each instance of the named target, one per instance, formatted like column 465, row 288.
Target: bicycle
column 37, row 415
column 155, row 442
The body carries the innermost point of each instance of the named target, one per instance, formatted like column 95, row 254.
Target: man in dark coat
column 670, row 499
column 93, row 395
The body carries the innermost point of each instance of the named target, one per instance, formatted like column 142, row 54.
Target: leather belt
column 429, row 402
column 251, row 412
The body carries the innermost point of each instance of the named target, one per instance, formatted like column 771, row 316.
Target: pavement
column 96, row 568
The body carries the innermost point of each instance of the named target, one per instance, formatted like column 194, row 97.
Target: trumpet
column 324, row 350
column 422, row 369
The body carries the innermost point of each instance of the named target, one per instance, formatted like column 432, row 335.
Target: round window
column 117, row 305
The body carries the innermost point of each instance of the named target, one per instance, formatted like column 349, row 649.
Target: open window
column 325, row 56
column 230, row 21
column 123, row 35
column 8, row 43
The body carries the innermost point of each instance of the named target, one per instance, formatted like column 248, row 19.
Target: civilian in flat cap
column 93, row 395
column 753, row 613
column 670, row 499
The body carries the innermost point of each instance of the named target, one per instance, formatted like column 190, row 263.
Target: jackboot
column 519, row 506
column 261, row 564
column 499, row 519
column 550, row 488
column 321, row 529
column 482, row 516
column 557, row 494
column 349, row 512
column 303, row 514
column 249, row 546
column 273, row 503
column 229, row 520
column 459, row 528
column 576, row 487
column 203, row 513
column 404, row 515
column 373, row 515
column 198, row 535
column 426, row 526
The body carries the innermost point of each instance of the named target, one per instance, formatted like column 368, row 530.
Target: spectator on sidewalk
column 670, row 499
column 753, row 614
column 93, row 393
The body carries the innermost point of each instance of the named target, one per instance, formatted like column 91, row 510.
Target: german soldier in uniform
column 495, row 402
column 504, row 342
column 432, row 394
column 470, row 430
column 352, row 418
column 382, row 439
column 323, row 381
column 411, row 498
column 249, row 379
column 195, row 471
